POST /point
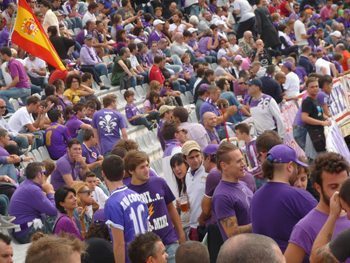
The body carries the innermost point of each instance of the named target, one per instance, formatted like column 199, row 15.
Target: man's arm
column 14, row 82
column 294, row 254
column 232, row 228
column 206, row 210
column 118, row 245
column 124, row 134
column 68, row 179
column 175, row 218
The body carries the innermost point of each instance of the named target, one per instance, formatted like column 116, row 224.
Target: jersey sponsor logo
column 108, row 123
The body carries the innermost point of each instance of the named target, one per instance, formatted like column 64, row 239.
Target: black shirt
column 314, row 110
column 272, row 88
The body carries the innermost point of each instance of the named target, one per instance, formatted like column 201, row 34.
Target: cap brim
column 301, row 163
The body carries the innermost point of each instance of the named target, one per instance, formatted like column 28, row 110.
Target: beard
column 325, row 197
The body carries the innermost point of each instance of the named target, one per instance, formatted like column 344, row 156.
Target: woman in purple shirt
column 66, row 203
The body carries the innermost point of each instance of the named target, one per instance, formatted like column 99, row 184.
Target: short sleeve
column 122, row 122
column 210, row 184
column 306, row 106
column 13, row 70
column 64, row 168
column 223, row 207
column 168, row 194
column 114, row 215
column 301, row 238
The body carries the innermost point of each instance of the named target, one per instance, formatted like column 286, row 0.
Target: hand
column 232, row 110
column 28, row 159
column 327, row 123
column 6, row 179
column 80, row 159
column 30, row 138
column 4, row 88
column 48, row 188
column 13, row 158
column 334, row 205
column 182, row 237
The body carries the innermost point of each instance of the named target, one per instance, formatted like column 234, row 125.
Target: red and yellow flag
column 31, row 37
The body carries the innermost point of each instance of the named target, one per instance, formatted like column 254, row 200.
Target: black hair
column 60, row 196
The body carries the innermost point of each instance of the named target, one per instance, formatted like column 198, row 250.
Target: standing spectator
column 108, row 123
column 91, row 153
column 56, row 135
column 60, row 43
column 164, row 219
column 270, row 86
column 341, row 49
column 192, row 252
column 292, row 203
column 300, row 29
column 70, row 167
column 20, row 85
column 195, row 183
column 292, row 85
column 231, row 199
column 304, row 60
column 125, row 219
column 50, row 19
column 32, row 216
column 324, row 95
column 328, row 173
column 264, row 110
column 244, row 11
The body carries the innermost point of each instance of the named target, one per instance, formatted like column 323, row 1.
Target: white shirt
column 19, row 119
column 299, row 29
column 100, row 197
column 50, row 19
column 168, row 174
column 179, row 28
column 37, row 63
column 195, row 191
column 292, row 85
column 321, row 65
column 88, row 16
column 246, row 10
column 6, row 126
column 133, row 61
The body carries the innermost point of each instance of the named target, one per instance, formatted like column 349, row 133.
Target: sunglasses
column 85, row 192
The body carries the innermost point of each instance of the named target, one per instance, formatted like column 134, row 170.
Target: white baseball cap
column 157, row 22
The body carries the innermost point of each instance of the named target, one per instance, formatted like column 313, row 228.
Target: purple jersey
column 213, row 179
column 91, row 154
column 126, row 211
column 323, row 98
column 56, row 140
column 73, row 126
column 157, row 194
column 306, row 230
column 16, row 69
column 268, row 211
column 130, row 111
column 108, row 124
column 232, row 199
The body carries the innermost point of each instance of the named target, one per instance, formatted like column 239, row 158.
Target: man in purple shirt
column 75, row 123
column 108, row 123
column 292, row 204
column 70, row 167
column 232, row 198
column 163, row 217
column 328, row 173
column 325, row 84
column 125, row 211
column 32, row 203
column 91, row 153
column 20, row 85
column 157, row 34
column 56, row 135
column 171, row 133
column 166, row 115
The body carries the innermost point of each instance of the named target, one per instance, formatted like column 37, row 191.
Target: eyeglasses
column 85, row 192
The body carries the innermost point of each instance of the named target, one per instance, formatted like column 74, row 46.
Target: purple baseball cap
column 211, row 149
column 204, row 87
column 99, row 216
column 288, row 65
column 284, row 154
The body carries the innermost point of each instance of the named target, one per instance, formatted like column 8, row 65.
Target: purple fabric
column 203, row 45
column 4, row 37
column 64, row 166
column 159, row 133
column 29, row 202
column 306, row 230
column 16, row 69
column 91, row 154
column 232, row 199
column 66, row 225
column 130, row 111
column 3, row 152
column 301, row 73
column 127, row 180
column 126, row 211
column 209, row 106
column 249, row 180
column 213, row 179
column 108, row 124
column 157, row 194
column 73, row 126
column 291, row 205
column 169, row 147
column 56, row 140
column 252, row 155
column 323, row 98
column 155, row 37
column 213, row 136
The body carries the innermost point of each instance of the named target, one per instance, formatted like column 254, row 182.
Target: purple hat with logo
column 99, row 216
column 211, row 149
column 283, row 154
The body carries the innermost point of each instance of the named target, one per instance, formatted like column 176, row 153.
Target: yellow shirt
column 72, row 95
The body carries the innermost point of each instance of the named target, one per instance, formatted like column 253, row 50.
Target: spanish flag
column 31, row 37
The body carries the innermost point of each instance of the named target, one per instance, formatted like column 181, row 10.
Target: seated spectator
column 134, row 115
column 147, row 247
column 61, row 44
column 94, row 184
column 209, row 121
column 36, row 69
column 20, row 85
column 74, row 124
column 192, row 252
column 91, row 153
column 66, row 203
column 248, row 247
column 74, row 90
column 55, row 249
column 6, row 248
column 171, row 97
column 59, row 91
column 153, row 102
column 122, row 73
column 35, row 215
column 70, row 167
column 166, row 115
column 187, row 68
column 56, row 135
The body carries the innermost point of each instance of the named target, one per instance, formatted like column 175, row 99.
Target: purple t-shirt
column 157, row 194
column 276, row 217
column 203, row 45
column 213, row 136
column 64, row 166
column 16, row 69
column 169, row 147
column 73, row 126
column 66, row 225
column 127, row 180
column 249, row 180
column 232, row 199
column 130, row 111
column 90, row 154
column 306, row 230
column 323, row 98
column 125, row 210
column 56, row 140
column 108, row 124
column 209, row 106
column 213, row 179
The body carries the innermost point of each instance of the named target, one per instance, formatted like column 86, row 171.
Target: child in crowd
column 302, row 178
column 135, row 116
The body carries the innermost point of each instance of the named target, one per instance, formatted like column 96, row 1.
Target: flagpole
column 13, row 23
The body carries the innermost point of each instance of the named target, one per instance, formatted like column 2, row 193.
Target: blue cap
column 211, row 149
column 256, row 82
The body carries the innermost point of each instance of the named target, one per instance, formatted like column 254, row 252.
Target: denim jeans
column 299, row 134
column 9, row 170
column 101, row 69
column 171, row 250
column 14, row 93
column 4, row 203
column 21, row 140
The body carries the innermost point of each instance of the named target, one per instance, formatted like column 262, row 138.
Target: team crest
column 29, row 27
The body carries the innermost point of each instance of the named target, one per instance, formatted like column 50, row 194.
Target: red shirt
column 156, row 74
column 346, row 57
column 283, row 10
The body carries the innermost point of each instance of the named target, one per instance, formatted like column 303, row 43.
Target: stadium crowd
column 164, row 141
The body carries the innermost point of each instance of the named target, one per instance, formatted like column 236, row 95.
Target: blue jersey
column 126, row 211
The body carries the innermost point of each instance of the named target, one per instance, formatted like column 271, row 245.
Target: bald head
column 192, row 252
column 209, row 119
column 247, row 34
column 248, row 248
column 178, row 37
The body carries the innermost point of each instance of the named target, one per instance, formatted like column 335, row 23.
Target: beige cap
column 190, row 146
column 163, row 109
